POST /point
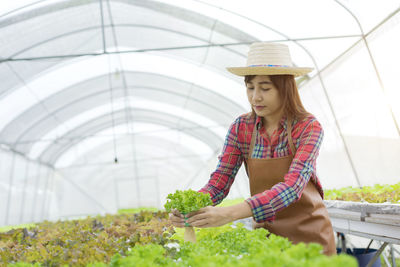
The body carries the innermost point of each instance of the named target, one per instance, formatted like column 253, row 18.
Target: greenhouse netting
column 112, row 104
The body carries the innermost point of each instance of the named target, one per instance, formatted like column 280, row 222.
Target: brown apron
column 306, row 220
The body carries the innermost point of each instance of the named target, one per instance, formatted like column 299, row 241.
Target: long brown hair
column 287, row 88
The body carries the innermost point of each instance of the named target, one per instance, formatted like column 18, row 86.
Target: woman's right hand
column 257, row 225
column 176, row 218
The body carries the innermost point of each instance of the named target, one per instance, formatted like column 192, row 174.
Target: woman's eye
column 266, row 89
column 250, row 88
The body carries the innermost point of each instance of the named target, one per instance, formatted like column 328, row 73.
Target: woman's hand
column 216, row 216
column 210, row 217
column 177, row 218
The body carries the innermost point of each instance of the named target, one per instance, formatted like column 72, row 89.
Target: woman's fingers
column 193, row 213
column 200, row 223
column 177, row 213
column 200, row 211
column 203, row 218
column 176, row 219
column 200, row 216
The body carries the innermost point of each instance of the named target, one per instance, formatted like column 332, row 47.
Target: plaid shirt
column 307, row 136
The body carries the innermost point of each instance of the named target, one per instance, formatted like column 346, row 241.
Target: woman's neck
column 272, row 122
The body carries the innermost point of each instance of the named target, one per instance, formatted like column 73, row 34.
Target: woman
column 279, row 143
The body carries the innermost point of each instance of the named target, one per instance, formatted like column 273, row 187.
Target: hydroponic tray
column 378, row 221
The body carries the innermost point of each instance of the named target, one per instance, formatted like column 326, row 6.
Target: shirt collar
column 282, row 122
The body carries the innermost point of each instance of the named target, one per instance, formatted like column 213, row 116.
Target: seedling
column 185, row 202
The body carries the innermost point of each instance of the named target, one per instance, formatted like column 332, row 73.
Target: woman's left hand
column 209, row 217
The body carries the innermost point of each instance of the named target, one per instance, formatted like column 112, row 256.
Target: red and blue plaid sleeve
column 229, row 163
column 266, row 204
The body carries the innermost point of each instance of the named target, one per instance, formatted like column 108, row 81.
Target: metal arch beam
column 120, row 171
column 91, row 96
column 263, row 25
column 335, row 118
column 145, row 140
column 318, row 74
column 103, row 36
column 195, row 18
column 138, row 3
column 356, row 43
column 145, row 87
column 6, row 147
column 378, row 75
column 322, row 83
column 166, row 49
column 332, row 110
column 183, row 152
column 128, row 115
column 172, row 171
column 20, row 8
column 228, row 11
column 53, row 156
column 43, row 11
column 49, row 10
column 210, row 139
column 222, row 45
column 363, row 37
column 233, row 51
column 10, row 189
column 286, row 37
column 160, row 7
column 105, row 163
column 27, row 131
column 109, row 26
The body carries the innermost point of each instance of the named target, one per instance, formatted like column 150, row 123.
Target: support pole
column 10, row 184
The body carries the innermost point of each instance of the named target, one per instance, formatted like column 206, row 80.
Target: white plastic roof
column 83, row 83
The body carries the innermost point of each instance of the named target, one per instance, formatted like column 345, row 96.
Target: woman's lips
column 259, row 107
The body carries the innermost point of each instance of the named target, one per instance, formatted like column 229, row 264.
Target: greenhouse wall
column 27, row 190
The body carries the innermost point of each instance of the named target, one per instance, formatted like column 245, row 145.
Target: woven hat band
column 269, row 65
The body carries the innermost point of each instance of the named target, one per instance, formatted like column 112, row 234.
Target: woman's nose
column 256, row 96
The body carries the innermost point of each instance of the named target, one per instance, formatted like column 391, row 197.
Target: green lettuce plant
column 185, row 202
column 372, row 194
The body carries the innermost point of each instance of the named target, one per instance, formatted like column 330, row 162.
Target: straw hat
column 269, row 59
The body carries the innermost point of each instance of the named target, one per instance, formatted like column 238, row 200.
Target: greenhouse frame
column 113, row 104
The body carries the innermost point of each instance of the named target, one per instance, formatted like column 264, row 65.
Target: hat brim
column 243, row 71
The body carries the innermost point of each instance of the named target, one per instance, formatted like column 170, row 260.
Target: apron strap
column 250, row 152
column 253, row 140
column 289, row 135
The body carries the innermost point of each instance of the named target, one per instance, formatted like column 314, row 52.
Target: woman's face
column 263, row 96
